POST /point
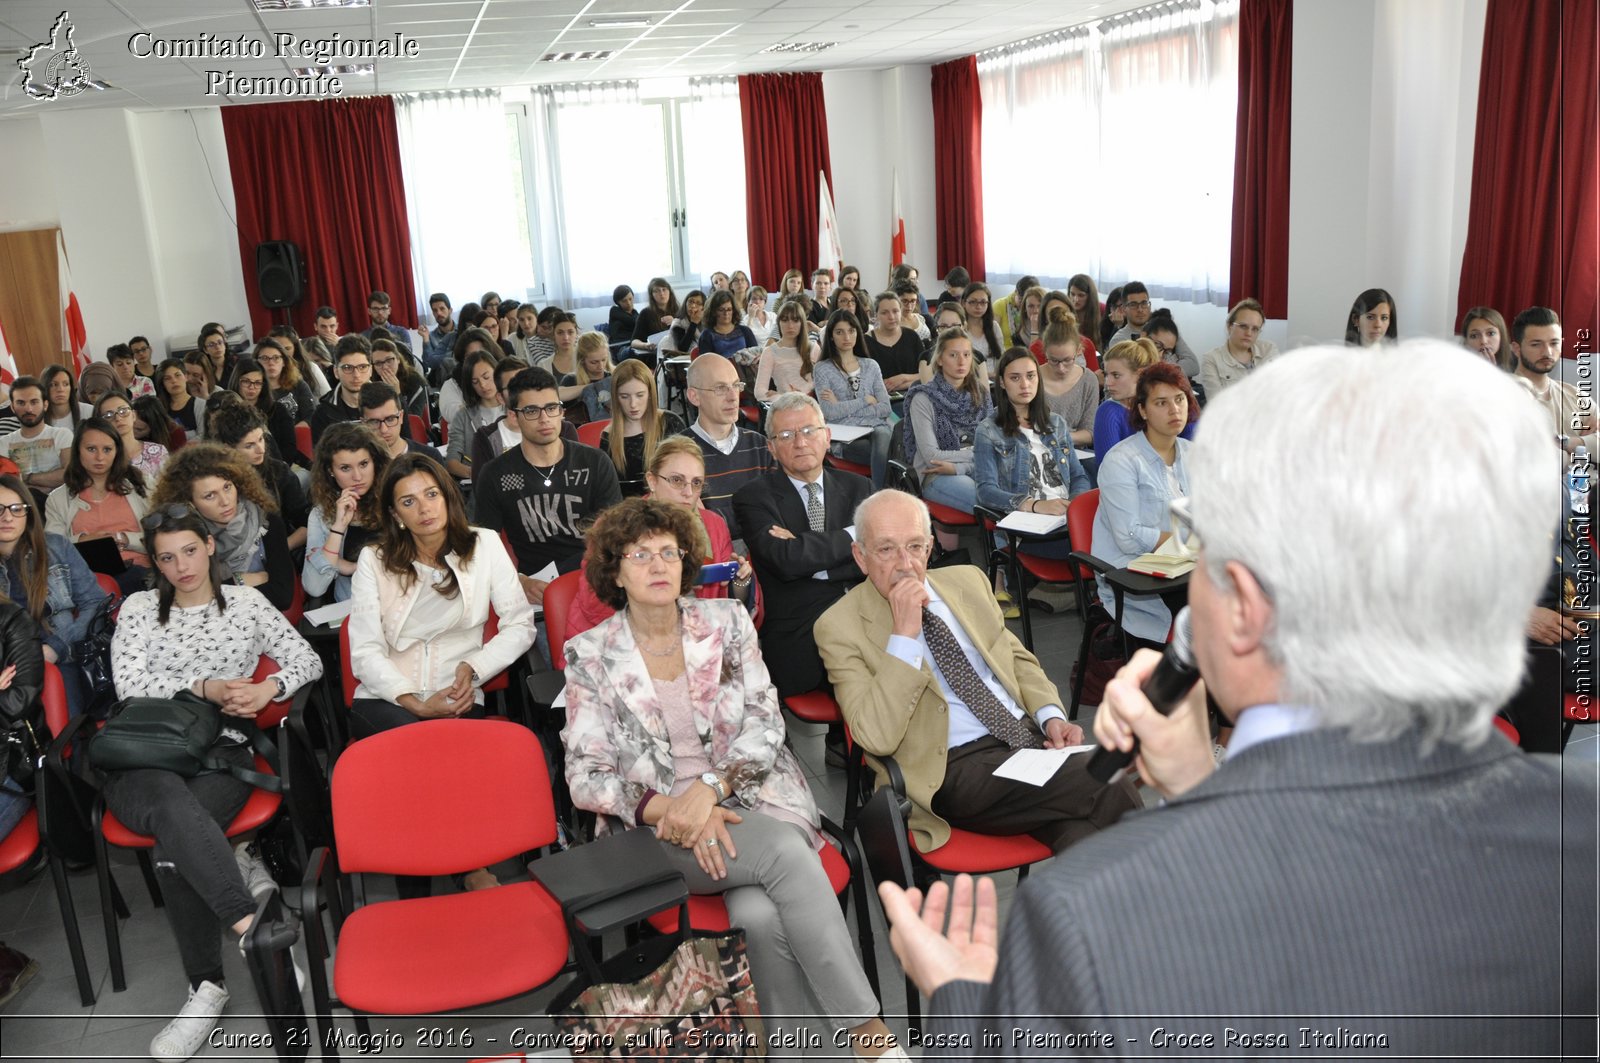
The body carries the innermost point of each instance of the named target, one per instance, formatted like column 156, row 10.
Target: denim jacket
column 71, row 588
column 1003, row 467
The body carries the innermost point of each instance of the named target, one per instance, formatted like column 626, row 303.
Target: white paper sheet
column 330, row 615
column 1037, row 766
column 1084, row 455
column 1033, row 523
column 847, row 433
column 545, row 574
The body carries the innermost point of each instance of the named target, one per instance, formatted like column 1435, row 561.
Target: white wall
column 149, row 239
column 1384, row 107
column 28, row 193
column 881, row 122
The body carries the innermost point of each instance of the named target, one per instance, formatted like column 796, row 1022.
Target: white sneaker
column 257, row 879
column 187, row 1034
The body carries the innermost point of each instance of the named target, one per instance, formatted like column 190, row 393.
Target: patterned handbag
column 666, row 998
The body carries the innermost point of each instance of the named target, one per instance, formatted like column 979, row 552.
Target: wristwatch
column 713, row 780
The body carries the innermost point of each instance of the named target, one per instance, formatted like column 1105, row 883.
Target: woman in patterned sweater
column 197, row 631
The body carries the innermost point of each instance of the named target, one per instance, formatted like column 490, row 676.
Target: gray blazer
column 1320, row 879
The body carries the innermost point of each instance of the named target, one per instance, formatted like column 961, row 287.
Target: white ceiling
column 498, row 43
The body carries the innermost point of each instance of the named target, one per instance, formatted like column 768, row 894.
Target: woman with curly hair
column 222, row 486
column 344, row 516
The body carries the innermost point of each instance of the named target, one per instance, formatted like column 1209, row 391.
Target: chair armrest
column 56, row 756
column 1085, row 558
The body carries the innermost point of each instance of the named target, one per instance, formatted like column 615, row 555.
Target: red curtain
column 958, row 165
column 785, row 146
column 1258, row 266
column 326, row 175
column 1533, row 226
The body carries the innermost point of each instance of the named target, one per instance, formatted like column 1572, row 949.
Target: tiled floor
column 46, row 1021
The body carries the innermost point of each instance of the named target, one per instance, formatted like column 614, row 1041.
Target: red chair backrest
column 395, row 811
column 297, row 604
column 54, row 699
column 419, row 428
column 273, row 714
column 1080, row 525
column 589, row 434
column 444, row 431
column 302, row 438
column 558, row 599
column 176, row 438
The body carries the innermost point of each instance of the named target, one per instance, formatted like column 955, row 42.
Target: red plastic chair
column 176, row 439
column 259, row 808
column 302, row 438
column 296, row 609
column 418, row 427
column 850, row 466
column 395, row 812
column 558, row 598
column 589, row 434
column 39, row 826
column 444, row 432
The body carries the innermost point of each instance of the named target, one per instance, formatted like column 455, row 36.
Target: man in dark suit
column 797, row 524
column 1373, row 869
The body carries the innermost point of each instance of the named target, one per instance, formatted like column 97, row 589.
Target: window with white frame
column 1108, row 150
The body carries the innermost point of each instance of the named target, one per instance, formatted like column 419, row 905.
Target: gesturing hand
column 966, row 951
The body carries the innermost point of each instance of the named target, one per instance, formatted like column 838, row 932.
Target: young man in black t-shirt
column 544, row 493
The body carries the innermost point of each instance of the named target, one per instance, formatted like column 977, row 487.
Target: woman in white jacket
column 422, row 594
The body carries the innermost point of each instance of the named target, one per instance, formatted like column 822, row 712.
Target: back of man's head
column 1541, row 316
column 1367, row 516
column 957, row 278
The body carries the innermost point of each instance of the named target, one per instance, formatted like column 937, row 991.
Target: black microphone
column 1169, row 684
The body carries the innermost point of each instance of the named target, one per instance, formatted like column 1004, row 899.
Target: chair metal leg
column 102, row 867
column 69, row 923
column 148, row 868
column 1083, row 672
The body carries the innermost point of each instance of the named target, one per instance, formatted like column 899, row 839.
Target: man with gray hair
column 799, row 523
column 734, row 456
column 1374, row 869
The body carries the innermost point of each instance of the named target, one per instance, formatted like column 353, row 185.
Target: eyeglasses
column 722, row 391
column 1136, row 304
column 383, row 422
column 977, row 302
column 678, row 482
column 119, row 413
column 670, row 554
column 1242, row 327
column 249, row 383
column 788, row 435
column 1183, row 529
column 16, row 509
column 157, row 517
column 533, row 413
column 376, row 309
column 385, row 363
column 355, row 367
column 888, row 552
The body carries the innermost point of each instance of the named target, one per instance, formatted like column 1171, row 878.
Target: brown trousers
column 1068, row 807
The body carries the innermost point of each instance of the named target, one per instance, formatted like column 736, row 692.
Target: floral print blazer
column 616, row 738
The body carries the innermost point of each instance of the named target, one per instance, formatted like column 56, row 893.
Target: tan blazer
column 896, row 709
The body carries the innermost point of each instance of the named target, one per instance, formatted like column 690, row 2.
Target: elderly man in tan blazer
column 924, row 669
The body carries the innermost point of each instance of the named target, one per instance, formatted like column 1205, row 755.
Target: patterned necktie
column 814, row 512
column 964, row 680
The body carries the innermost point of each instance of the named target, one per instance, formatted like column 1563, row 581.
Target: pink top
column 106, row 517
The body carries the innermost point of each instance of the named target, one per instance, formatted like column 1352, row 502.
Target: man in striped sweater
column 734, row 456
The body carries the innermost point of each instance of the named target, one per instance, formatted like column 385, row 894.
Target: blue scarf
column 955, row 416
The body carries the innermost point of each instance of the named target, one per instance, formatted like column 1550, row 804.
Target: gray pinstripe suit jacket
column 1319, row 879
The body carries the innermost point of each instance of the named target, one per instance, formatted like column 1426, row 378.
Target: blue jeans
column 872, row 451
column 14, row 804
column 957, row 492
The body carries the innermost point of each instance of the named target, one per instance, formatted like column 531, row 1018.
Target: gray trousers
column 799, row 945
column 200, row 879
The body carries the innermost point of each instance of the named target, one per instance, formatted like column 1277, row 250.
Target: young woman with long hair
column 350, row 460
column 724, row 334
column 1085, row 303
column 850, row 390
column 223, row 487
column 944, row 414
column 242, row 428
column 657, row 315
column 785, row 365
column 638, row 424
column 1373, row 319
column 198, row 631
column 982, row 330
column 46, row 575
column 172, row 386
column 1483, row 330
column 295, row 381
column 102, row 496
column 62, row 408
column 249, row 382
column 142, row 454
column 1070, row 390
column 1240, row 353
column 482, row 406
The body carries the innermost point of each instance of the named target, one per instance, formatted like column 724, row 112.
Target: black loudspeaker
column 280, row 274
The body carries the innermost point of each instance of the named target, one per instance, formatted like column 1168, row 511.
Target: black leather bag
column 180, row 734
column 92, row 655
